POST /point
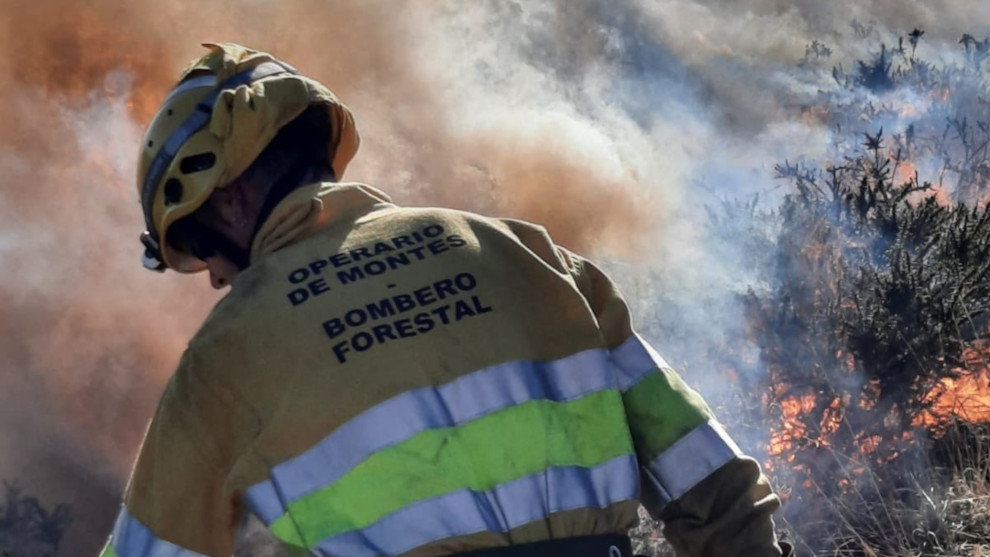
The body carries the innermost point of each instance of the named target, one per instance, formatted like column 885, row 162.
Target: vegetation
column 880, row 289
column 879, row 300
column 874, row 309
column 28, row 529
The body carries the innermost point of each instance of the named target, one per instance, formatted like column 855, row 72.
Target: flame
column 792, row 408
column 869, row 444
column 909, row 110
column 965, row 396
column 905, row 171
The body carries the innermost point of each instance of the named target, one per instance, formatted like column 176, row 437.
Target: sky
column 614, row 123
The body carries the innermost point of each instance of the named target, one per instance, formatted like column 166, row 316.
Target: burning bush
column 879, row 287
column 876, row 312
column 870, row 311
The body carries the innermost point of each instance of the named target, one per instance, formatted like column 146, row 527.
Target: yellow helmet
column 226, row 108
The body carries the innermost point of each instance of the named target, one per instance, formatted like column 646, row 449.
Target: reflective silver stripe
column 403, row 416
column 689, row 460
column 633, row 360
column 265, row 502
column 133, row 539
column 500, row 509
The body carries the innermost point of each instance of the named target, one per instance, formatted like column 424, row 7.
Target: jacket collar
column 312, row 208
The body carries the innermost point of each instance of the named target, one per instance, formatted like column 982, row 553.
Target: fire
column 791, row 427
column 905, row 170
column 869, row 444
column 908, row 110
column 966, row 396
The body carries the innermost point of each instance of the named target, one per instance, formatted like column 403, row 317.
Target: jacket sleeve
column 175, row 503
column 712, row 499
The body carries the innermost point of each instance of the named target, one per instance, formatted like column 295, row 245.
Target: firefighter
column 382, row 380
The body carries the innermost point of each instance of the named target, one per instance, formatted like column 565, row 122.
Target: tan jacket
column 389, row 380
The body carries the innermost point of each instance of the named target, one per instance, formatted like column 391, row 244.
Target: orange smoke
column 88, row 337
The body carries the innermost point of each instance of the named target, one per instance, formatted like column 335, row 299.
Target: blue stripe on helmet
column 195, row 122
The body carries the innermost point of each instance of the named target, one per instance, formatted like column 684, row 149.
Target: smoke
column 612, row 123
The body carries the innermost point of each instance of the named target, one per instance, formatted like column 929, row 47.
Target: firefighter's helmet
column 226, row 108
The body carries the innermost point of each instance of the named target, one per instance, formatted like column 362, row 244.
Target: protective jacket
column 386, row 380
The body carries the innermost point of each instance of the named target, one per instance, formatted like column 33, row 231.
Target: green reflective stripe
column 661, row 409
column 108, row 551
column 479, row 455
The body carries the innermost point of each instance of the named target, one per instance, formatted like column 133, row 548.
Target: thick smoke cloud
column 610, row 122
